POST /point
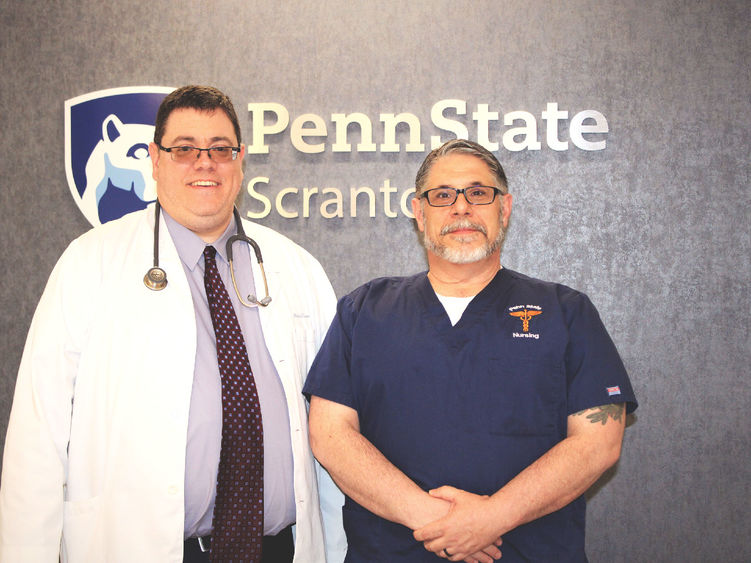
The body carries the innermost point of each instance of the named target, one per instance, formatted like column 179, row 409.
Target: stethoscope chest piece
column 155, row 279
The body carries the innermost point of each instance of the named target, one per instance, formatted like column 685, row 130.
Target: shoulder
column 569, row 303
column 94, row 267
column 384, row 291
column 119, row 232
column 387, row 286
column 535, row 286
column 376, row 305
column 109, row 247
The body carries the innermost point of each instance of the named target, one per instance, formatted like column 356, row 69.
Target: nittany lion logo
column 107, row 136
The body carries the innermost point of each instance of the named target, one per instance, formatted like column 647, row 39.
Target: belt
column 282, row 540
column 203, row 543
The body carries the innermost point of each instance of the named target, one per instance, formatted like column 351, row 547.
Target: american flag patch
column 613, row 390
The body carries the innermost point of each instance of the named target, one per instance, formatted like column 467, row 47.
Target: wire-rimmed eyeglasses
column 475, row 195
column 187, row 153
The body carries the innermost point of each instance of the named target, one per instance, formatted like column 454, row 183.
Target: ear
column 240, row 160
column 417, row 212
column 154, row 155
column 506, row 211
column 111, row 128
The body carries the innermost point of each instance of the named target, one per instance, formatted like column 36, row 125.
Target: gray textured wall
column 655, row 228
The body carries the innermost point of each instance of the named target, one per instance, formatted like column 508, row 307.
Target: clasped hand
column 466, row 532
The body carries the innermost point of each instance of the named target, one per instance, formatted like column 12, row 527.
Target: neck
column 462, row 280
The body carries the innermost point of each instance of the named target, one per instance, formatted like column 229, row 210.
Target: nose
column 461, row 206
column 204, row 161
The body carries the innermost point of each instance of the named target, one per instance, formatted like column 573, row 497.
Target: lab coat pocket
column 82, row 533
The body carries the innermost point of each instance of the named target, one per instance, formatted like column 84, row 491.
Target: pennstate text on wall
column 310, row 133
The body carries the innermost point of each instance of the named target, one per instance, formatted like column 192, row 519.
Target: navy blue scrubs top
column 469, row 405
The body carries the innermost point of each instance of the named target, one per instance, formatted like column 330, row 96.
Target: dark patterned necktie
column 238, row 512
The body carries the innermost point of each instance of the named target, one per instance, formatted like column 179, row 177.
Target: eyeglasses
column 475, row 195
column 188, row 154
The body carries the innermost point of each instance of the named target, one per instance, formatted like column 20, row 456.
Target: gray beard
column 463, row 255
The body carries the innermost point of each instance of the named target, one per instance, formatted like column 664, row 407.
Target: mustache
column 463, row 224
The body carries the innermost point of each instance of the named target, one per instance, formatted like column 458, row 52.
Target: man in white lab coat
column 114, row 436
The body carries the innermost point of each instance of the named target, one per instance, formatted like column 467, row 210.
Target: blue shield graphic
column 107, row 135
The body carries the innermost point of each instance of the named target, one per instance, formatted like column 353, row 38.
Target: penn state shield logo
column 107, row 136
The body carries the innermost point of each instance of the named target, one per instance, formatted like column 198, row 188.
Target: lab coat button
column 172, row 490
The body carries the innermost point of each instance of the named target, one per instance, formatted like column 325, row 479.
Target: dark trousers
column 275, row 549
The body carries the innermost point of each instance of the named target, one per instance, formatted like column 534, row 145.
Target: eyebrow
column 470, row 185
column 189, row 139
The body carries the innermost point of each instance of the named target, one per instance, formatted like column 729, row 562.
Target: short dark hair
column 465, row 147
column 202, row 98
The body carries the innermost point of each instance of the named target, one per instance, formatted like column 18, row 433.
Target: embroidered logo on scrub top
column 525, row 313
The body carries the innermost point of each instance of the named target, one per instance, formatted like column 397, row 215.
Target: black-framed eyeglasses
column 475, row 195
column 187, row 153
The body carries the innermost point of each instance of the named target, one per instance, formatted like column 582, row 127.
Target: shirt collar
column 190, row 246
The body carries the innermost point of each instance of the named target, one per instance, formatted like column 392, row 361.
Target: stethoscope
column 156, row 278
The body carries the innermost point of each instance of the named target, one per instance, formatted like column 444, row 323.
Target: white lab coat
column 94, row 459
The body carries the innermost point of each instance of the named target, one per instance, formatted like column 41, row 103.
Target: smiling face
column 462, row 233
column 200, row 194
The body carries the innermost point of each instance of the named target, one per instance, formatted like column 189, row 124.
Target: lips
column 203, row 184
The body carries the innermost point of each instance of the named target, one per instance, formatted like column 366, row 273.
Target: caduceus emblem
column 525, row 315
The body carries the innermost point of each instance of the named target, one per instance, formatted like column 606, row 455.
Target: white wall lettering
column 308, row 133
column 291, row 201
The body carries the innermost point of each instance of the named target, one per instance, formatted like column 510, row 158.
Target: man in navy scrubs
column 471, row 404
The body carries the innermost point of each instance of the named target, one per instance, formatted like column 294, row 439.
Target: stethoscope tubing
column 156, row 278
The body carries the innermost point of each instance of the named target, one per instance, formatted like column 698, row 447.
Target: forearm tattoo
column 603, row 413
